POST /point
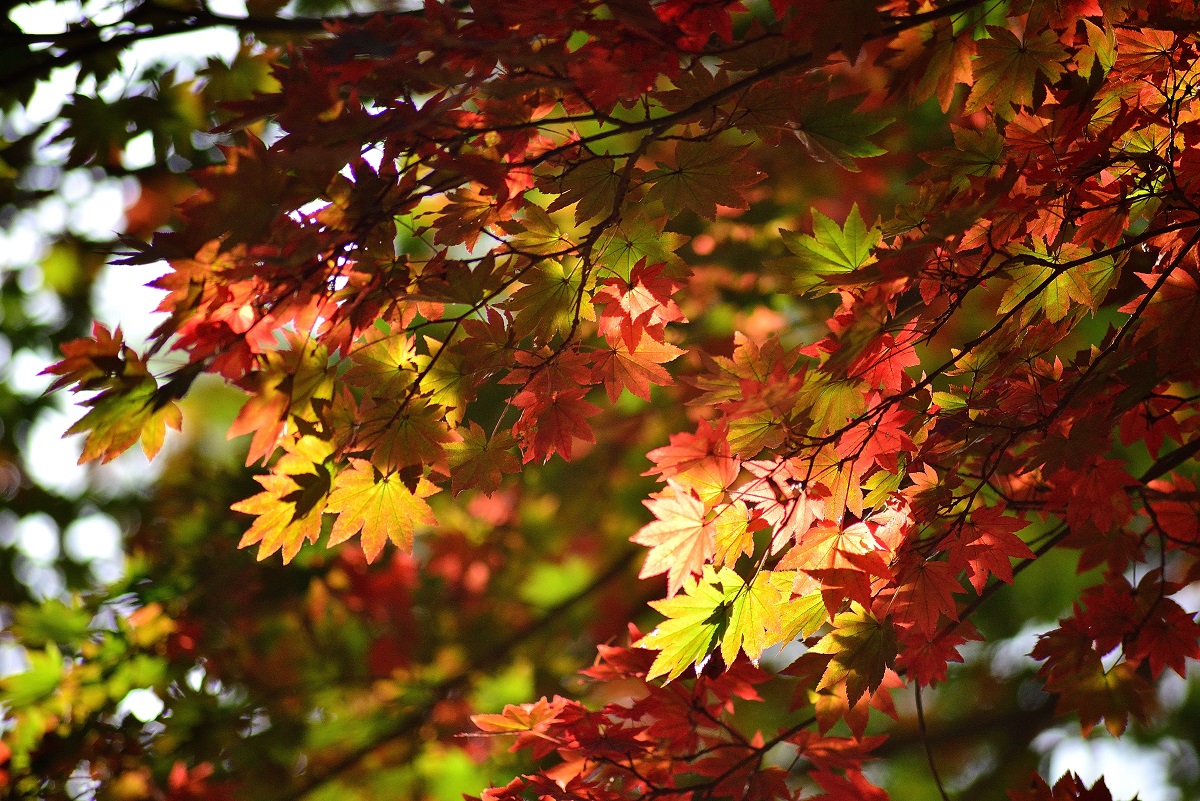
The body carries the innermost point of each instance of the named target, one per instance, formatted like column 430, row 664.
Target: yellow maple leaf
column 383, row 507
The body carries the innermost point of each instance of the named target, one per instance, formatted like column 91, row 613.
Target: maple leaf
column 534, row 718
column 710, row 478
column 780, row 495
column 1069, row 787
column 649, row 294
column 802, row 615
column 854, row 786
column 831, row 704
column 695, row 621
column 547, row 372
column 638, row 238
column 545, row 305
column 289, row 510
column 289, row 386
column 92, row 362
column 384, row 507
column 466, row 216
column 635, row 368
column 755, row 425
column 121, row 416
column 543, row 726
column 549, row 424
column 754, row 615
column 396, row 434
column 1166, row 637
column 987, row 543
column 643, row 303
column 861, row 647
column 829, row 404
column 1075, row 671
column 830, row 251
column 591, row 185
column 701, row 176
column 282, row 519
column 949, row 65
column 445, row 380
column 384, row 362
column 733, row 531
column 680, row 540
column 687, row 450
column 926, row 659
column 925, row 592
column 480, row 463
column 1111, row 695
column 833, row 129
column 1006, row 68
column 1057, row 288
column 1098, row 499
column 844, row 560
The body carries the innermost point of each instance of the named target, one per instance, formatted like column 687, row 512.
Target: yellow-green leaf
column 831, row 250
column 862, row 649
column 695, row 620
column 754, row 623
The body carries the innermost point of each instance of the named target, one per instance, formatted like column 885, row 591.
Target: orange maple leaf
column 680, row 540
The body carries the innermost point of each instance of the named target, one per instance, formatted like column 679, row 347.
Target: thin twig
column 937, row 779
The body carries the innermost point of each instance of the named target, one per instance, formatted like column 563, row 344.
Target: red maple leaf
column 549, row 423
column 986, row 544
column 925, row 591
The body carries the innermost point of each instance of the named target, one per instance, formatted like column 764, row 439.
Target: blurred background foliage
column 145, row 656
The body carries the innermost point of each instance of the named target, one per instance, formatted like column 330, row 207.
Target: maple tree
column 847, row 315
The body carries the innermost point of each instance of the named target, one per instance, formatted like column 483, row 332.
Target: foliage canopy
column 848, row 315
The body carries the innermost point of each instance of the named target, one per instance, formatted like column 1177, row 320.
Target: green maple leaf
column 862, row 649
column 546, row 304
column 831, row 251
column 703, row 175
column 537, row 232
column 383, row 507
column 695, row 621
column 830, row 404
column 732, row 533
column 834, row 130
column 444, row 381
column 51, row 621
column 385, row 362
column 636, row 238
column 591, row 185
column 1084, row 284
column 721, row 608
column 37, row 683
column 754, row 621
column 802, row 616
column 753, row 430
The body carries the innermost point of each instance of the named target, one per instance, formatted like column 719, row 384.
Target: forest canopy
column 686, row 399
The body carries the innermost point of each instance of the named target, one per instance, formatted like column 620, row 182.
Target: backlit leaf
column 383, row 507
